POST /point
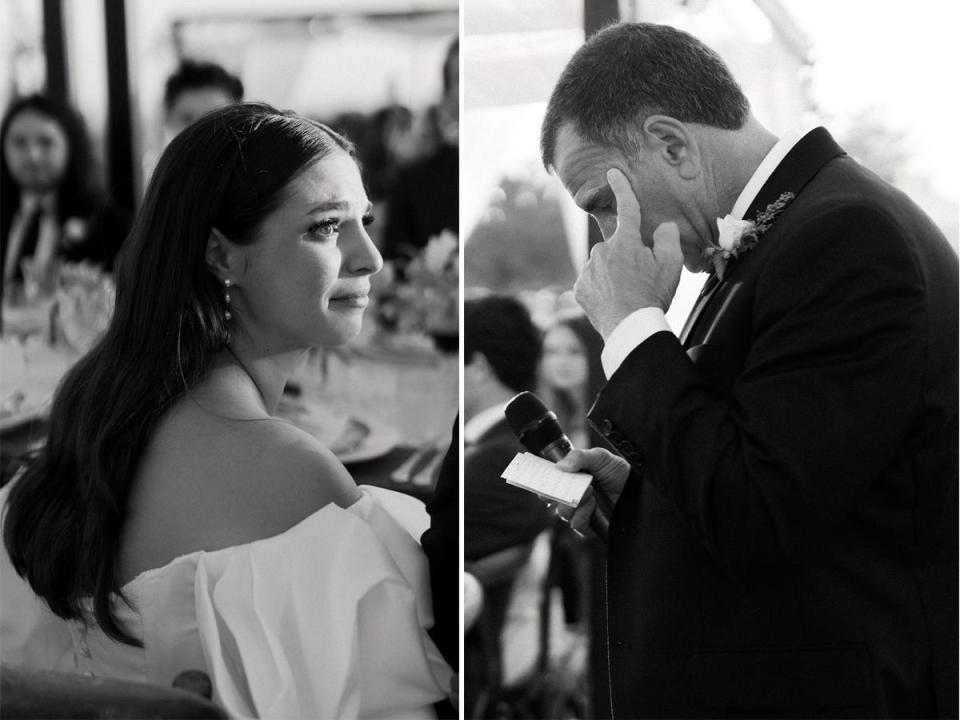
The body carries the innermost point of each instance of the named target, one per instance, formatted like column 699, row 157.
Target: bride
column 171, row 521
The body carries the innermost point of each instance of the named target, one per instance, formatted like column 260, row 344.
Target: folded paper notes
column 541, row 476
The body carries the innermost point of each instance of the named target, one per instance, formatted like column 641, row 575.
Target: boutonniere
column 737, row 237
column 74, row 231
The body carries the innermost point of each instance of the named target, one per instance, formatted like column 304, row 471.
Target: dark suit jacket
column 441, row 544
column 786, row 543
column 423, row 201
column 107, row 228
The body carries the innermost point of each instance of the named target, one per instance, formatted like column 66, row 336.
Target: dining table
column 393, row 397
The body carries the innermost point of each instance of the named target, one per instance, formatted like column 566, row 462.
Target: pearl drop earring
column 227, row 284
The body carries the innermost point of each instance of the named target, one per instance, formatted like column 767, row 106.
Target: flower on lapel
column 732, row 232
column 735, row 236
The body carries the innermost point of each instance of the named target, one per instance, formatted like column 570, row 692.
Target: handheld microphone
column 539, row 431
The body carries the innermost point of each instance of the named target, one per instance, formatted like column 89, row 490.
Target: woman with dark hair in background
column 571, row 374
column 51, row 206
column 170, row 519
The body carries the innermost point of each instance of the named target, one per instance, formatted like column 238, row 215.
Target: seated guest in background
column 501, row 347
column 193, row 90
column 501, row 354
column 51, row 207
column 571, row 373
column 571, row 376
column 424, row 197
column 171, row 521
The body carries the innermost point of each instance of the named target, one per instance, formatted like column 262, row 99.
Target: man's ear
column 675, row 144
column 221, row 256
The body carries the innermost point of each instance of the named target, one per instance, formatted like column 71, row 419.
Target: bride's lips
column 353, row 299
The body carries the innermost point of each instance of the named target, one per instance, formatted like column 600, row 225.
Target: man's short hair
column 499, row 327
column 195, row 74
column 629, row 71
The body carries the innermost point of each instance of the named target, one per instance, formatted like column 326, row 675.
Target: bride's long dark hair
column 66, row 511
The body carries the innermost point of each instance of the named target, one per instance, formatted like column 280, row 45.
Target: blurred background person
column 193, row 90
column 52, row 207
column 423, row 200
column 513, row 545
column 501, row 356
column 571, row 373
column 502, row 349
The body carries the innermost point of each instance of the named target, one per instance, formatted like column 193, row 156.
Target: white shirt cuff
column 632, row 330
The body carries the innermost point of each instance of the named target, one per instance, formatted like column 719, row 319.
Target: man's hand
column 623, row 274
column 609, row 475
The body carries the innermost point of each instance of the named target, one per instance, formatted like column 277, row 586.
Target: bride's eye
column 325, row 229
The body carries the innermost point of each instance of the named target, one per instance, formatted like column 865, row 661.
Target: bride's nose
column 361, row 256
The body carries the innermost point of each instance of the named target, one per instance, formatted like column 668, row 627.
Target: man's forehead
column 576, row 154
column 582, row 164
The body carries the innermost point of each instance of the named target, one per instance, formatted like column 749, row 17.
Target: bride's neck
column 261, row 376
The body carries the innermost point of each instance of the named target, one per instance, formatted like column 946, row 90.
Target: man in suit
column 785, row 531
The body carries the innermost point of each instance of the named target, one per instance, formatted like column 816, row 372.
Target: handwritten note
column 540, row 476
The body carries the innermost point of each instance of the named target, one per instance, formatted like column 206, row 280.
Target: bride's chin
column 341, row 334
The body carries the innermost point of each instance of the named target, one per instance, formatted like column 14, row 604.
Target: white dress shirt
column 642, row 323
column 479, row 424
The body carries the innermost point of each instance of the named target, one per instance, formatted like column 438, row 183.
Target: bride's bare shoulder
column 208, row 483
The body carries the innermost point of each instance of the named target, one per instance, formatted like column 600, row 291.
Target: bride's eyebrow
column 329, row 205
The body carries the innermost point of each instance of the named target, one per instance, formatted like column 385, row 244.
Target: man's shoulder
column 848, row 212
column 846, row 190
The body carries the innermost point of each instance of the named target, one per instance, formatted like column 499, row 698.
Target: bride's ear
column 221, row 255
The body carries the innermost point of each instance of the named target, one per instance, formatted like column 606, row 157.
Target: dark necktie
column 28, row 246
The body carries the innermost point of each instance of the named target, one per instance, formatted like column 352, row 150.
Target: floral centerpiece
column 425, row 301
column 84, row 305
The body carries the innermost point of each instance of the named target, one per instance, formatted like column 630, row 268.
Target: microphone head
column 522, row 410
column 536, row 427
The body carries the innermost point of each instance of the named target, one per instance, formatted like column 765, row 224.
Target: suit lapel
column 709, row 288
column 801, row 164
column 812, row 152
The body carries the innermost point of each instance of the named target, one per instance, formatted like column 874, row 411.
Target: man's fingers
column 572, row 461
column 666, row 243
column 581, row 516
column 587, row 460
column 628, row 209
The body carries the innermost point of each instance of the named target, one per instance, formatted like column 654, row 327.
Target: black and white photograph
column 710, row 259
column 479, row 359
column 230, row 362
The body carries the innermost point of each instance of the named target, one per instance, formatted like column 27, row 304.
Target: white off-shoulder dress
column 326, row 620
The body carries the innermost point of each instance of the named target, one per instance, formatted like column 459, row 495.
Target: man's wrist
column 628, row 334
